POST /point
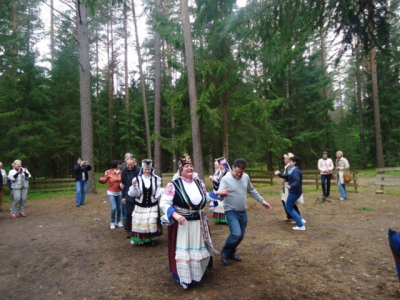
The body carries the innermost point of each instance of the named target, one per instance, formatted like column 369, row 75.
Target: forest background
column 267, row 78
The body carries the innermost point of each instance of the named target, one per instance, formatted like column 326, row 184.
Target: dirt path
column 60, row 252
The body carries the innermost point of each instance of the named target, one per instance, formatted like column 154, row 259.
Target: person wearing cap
column 342, row 165
column 114, row 194
column 285, row 191
column 234, row 188
column 146, row 190
column 3, row 179
column 19, row 178
column 190, row 247
column 294, row 182
column 218, row 207
column 325, row 167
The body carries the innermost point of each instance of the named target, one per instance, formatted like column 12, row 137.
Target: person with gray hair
column 128, row 155
column 342, row 165
column 19, row 183
column 3, row 182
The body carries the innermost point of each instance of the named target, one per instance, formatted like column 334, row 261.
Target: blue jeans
column 80, row 191
column 115, row 202
column 290, row 203
column 342, row 189
column 326, row 191
column 237, row 222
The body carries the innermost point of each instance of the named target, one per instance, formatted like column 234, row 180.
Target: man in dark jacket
column 131, row 171
column 81, row 170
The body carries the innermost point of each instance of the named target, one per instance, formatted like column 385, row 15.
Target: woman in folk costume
column 190, row 246
column 218, row 207
column 146, row 188
column 285, row 191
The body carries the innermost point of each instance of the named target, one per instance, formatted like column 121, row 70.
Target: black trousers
column 326, row 191
column 130, row 206
column 287, row 214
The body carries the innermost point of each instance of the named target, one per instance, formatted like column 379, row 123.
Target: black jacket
column 127, row 176
column 78, row 170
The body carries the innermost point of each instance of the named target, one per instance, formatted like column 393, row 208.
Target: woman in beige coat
column 342, row 165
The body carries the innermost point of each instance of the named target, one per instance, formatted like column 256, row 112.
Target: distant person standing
column 19, row 183
column 3, row 182
column 81, row 171
column 325, row 167
column 342, row 165
column 234, row 187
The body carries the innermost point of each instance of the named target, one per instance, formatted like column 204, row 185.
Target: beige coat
column 343, row 165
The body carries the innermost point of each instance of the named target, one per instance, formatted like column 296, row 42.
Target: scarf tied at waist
column 203, row 226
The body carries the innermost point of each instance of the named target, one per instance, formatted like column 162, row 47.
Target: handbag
column 346, row 177
column 332, row 176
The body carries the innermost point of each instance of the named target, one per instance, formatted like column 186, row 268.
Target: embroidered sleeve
column 159, row 189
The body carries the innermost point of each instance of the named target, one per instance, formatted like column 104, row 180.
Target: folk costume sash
column 203, row 226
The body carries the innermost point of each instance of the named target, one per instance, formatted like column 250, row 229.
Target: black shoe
column 225, row 259
column 235, row 257
column 82, row 203
column 153, row 243
column 77, row 205
column 128, row 234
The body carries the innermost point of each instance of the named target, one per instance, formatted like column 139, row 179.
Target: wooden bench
column 257, row 176
column 387, row 179
column 52, row 185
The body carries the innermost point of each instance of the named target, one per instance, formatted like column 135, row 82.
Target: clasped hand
column 179, row 218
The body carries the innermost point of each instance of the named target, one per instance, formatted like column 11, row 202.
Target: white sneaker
column 112, row 225
column 341, row 199
column 299, row 228
column 120, row 225
column 302, row 220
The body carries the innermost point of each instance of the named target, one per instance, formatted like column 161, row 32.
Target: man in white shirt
column 325, row 167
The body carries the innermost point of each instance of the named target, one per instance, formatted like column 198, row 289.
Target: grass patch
column 366, row 208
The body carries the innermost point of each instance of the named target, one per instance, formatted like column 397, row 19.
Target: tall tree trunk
column 359, row 104
column 142, row 83
column 84, row 88
column 111, row 89
column 225, row 145
column 197, row 151
column 127, row 125
column 52, row 33
column 14, row 46
column 157, row 97
column 374, row 78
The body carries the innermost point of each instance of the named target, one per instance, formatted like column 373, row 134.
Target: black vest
column 181, row 199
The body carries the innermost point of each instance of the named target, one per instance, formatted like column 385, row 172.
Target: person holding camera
column 81, row 171
column 19, row 183
column 325, row 167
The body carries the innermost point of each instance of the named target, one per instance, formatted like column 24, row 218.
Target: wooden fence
column 387, row 179
column 310, row 177
column 51, row 185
